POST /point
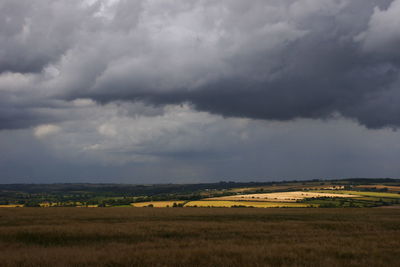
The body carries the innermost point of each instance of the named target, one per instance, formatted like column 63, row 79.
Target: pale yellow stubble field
column 281, row 196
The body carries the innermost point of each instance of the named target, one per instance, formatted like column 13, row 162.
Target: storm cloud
column 273, row 60
column 199, row 88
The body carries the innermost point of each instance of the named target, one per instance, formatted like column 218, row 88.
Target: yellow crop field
column 12, row 206
column 156, row 204
column 256, row 204
column 46, row 204
column 281, row 196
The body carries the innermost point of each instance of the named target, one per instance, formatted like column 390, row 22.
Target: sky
column 191, row 91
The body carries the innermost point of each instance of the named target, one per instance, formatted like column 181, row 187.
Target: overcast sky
column 153, row 91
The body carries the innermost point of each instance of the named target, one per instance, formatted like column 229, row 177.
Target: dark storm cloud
column 274, row 60
column 36, row 33
column 16, row 111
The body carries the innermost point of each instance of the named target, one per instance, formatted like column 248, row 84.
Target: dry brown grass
column 199, row 237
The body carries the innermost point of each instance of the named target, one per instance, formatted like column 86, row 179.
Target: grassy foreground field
column 199, row 237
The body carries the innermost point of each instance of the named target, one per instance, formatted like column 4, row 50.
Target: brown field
column 199, row 237
column 280, row 197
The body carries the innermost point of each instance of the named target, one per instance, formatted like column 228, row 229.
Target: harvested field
column 366, row 194
column 288, row 187
column 282, row 196
column 199, row 237
column 255, row 204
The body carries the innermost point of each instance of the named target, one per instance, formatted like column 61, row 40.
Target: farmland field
column 367, row 194
column 283, row 196
column 199, row 237
column 255, row 204
column 11, row 206
column 316, row 193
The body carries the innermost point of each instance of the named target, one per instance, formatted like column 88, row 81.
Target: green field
column 199, row 237
column 157, row 204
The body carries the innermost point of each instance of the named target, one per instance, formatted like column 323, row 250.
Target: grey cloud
column 273, row 60
column 303, row 149
column 36, row 33
column 382, row 35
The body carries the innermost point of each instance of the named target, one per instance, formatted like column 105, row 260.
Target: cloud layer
column 260, row 59
column 191, row 88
